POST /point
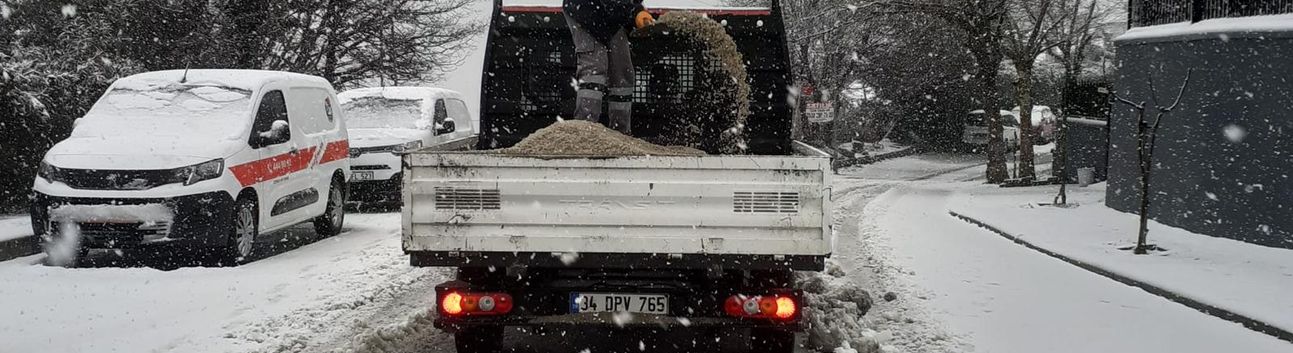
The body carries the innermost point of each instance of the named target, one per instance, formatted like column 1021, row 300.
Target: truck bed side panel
column 746, row 205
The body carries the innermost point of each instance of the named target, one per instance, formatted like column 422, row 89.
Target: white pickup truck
column 648, row 242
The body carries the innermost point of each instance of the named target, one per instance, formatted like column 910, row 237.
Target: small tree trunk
column 1143, row 154
column 1024, row 98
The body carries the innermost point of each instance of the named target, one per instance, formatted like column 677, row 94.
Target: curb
column 1248, row 322
column 16, row 248
column 909, row 151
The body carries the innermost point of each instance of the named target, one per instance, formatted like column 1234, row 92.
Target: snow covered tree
column 1033, row 27
column 910, row 62
column 52, row 68
column 350, row 42
column 982, row 23
column 1077, row 36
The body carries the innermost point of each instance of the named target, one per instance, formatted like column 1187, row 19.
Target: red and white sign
column 820, row 112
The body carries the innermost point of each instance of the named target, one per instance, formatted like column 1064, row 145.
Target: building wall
column 1225, row 155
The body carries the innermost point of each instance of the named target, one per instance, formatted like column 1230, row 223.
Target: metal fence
column 1156, row 12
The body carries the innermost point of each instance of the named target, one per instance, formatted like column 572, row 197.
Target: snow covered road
column 323, row 295
column 995, row 296
column 955, row 288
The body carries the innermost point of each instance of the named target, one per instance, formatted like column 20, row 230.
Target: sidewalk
column 1248, row 283
column 16, row 238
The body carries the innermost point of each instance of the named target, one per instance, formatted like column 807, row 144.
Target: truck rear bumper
column 616, row 260
column 618, row 321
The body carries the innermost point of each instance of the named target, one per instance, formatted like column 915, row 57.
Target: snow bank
column 835, row 306
column 1221, row 27
column 915, row 167
column 14, row 227
column 1244, row 278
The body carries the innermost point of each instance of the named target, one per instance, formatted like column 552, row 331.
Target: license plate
column 619, row 302
column 361, row 176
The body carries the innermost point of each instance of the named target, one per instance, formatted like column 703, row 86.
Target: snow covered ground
column 333, row 293
column 959, row 288
column 883, row 147
column 938, row 285
column 1244, row 278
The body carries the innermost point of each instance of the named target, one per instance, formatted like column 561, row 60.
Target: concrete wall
column 1225, row 156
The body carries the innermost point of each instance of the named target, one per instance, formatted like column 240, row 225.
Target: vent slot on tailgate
column 450, row 198
column 765, row 202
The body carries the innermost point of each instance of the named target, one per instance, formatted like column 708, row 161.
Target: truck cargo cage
column 530, row 65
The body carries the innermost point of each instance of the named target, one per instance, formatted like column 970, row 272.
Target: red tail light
column 475, row 304
column 775, row 306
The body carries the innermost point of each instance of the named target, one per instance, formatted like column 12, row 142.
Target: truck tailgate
column 742, row 205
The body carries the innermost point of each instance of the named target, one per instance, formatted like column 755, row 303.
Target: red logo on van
column 281, row 165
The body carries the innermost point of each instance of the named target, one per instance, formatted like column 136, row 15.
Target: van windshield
column 383, row 113
column 169, row 110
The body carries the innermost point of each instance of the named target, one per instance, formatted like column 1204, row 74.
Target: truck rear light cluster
column 455, row 303
column 776, row 307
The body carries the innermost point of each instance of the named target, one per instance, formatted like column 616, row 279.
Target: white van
column 975, row 131
column 387, row 121
column 204, row 158
column 1044, row 123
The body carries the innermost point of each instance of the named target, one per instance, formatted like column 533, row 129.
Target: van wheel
column 479, row 340
column 242, row 239
column 329, row 223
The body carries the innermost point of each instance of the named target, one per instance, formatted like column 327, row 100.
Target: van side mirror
column 445, row 127
column 279, row 132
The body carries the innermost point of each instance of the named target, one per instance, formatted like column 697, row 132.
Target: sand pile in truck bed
column 586, row 138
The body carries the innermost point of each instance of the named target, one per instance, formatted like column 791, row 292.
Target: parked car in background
column 205, row 158
column 386, row 122
column 1044, row 123
column 975, row 132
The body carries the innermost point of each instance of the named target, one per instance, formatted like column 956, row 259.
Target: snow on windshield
column 168, row 110
column 382, row 113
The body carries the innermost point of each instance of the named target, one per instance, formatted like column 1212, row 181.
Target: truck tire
column 771, row 341
column 479, row 340
column 334, row 214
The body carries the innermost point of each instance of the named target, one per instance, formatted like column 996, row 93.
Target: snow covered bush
column 52, row 68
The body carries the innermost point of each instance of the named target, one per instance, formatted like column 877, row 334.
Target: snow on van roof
column 401, row 93
column 250, row 80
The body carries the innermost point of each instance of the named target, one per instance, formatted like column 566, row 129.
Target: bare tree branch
column 1180, row 92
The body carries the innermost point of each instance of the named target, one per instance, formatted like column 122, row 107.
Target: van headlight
column 199, row 172
column 45, row 171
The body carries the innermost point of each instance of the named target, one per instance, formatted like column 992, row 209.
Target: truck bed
column 488, row 209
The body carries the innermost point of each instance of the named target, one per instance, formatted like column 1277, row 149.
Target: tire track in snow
column 902, row 325
column 366, row 291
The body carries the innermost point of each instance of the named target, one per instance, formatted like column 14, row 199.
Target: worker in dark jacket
column 600, row 31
